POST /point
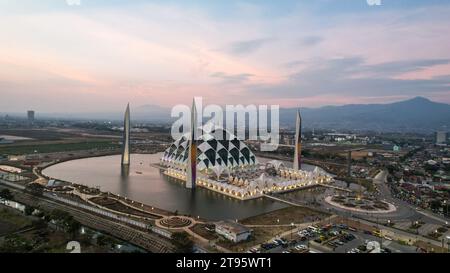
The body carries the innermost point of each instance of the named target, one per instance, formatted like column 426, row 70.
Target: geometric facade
column 210, row 151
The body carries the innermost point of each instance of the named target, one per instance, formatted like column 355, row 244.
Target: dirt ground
column 285, row 216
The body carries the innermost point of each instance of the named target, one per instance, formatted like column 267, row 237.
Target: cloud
column 390, row 69
column 352, row 77
column 119, row 53
column 232, row 78
column 311, row 40
column 248, row 46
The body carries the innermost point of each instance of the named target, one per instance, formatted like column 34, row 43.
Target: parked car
column 301, row 247
column 254, row 250
column 334, row 233
column 268, row 246
column 332, row 244
column 312, row 229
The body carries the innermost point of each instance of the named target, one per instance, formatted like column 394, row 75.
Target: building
column 126, row 138
column 233, row 231
column 228, row 152
column 191, row 170
column 30, row 115
column 5, row 141
column 441, row 137
column 219, row 161
column 298, row 143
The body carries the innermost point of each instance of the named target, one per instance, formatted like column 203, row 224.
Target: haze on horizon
column 97, row 56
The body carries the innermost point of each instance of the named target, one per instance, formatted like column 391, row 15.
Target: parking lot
column 337, row 238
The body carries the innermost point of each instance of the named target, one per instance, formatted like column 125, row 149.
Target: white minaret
column 298, row 143
column 191, row 167
column 126, row 137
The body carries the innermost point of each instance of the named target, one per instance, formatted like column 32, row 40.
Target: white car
column 354, row 250
column 334, row 233
column 301, row 247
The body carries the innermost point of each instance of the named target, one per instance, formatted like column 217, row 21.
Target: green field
column 58, row 147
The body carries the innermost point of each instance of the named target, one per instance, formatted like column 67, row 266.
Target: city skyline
column 292, row 54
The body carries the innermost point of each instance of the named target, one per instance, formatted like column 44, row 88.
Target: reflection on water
column 124, row 175
column 125, row 171
column 147, row 184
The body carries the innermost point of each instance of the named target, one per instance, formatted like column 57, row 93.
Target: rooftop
column 233, row 227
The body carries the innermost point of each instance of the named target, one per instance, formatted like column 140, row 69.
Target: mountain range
column 418, row 114
column 415, row 115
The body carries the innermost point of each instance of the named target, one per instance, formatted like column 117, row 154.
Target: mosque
column 219, row 161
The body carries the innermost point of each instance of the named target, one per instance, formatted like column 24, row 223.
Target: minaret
column 126, row 138
column 191, row 167
column 298, row 143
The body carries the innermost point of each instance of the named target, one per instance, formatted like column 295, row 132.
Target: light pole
column 292, row 230
column 448, row 243
column 446, row 208
column 274, row 229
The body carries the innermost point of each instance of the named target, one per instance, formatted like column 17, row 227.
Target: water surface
column 146, row 184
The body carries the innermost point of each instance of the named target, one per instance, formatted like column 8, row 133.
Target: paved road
column 404, row 212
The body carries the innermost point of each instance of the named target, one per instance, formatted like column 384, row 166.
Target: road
column 404, row 209
column 404, row 212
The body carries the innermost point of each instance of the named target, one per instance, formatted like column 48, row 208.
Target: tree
column 435, row 205
column 15, row 244
column 6, row 194
column 65, row 220
column 28, row 210
column 35, row 189
column 39, row 224
column 182, row 242
column 102, row 240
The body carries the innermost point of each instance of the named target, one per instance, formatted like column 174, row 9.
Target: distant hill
column 415, row 115
column 418, row 114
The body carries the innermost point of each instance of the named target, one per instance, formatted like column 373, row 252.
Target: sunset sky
column 97, row 56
